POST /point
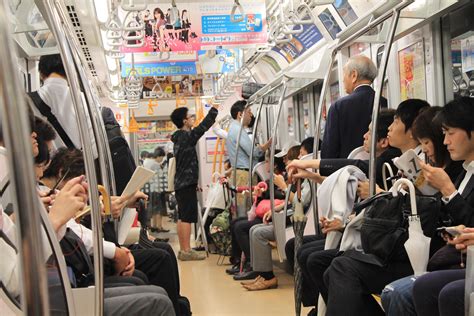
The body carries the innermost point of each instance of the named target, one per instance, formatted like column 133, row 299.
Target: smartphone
column 452, row 232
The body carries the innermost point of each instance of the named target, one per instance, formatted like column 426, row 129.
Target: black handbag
column 77, row 259
column 384, row 228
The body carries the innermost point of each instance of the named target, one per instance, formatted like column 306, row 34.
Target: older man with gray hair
column 349, row 116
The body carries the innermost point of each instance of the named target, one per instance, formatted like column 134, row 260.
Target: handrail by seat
column 13, row 109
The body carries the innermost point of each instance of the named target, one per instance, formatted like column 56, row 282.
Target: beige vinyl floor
column 214, row 293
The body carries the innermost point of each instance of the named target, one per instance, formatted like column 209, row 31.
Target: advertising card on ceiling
column 202, row 62
column 199, row 25
column 299, row 43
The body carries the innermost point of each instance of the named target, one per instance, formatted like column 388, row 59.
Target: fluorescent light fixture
column 102, row 10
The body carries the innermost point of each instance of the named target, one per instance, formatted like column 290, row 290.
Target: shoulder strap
column 45, row 110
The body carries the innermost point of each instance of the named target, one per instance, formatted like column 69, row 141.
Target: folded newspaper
column 138, row 180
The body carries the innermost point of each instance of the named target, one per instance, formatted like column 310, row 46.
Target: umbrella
column 417, row 245
column 299, row 223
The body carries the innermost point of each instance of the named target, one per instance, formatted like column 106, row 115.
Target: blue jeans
column 397, row 297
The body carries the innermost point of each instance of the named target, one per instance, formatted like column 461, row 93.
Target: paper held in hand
column 138, row 180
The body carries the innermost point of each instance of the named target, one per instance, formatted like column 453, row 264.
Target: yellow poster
column 411, row 62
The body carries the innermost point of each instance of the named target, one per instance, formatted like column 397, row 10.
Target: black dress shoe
column 234, row 270
column 249, row 275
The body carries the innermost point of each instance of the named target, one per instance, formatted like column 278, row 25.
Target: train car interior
column 237, row 157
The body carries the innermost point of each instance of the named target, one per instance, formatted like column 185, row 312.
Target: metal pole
column 254, row 140
column 317, row 135
column 57, row 26
column 469, row 286
column 272, row 149
column 34, row 291
column 378, row 95
column 98, row 127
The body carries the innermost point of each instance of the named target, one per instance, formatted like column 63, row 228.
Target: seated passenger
column 119, row 301
column 317, row 262
column 158, row 264
column 240, row 228
column 260, row 238
column 397, row 297
column 442, row 292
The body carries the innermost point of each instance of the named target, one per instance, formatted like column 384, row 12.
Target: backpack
column 220, row 233
column 122, row 158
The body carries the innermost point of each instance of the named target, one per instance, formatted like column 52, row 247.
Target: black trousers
column 317, row 262
column 440, row 293
column 157, row 264
column 240, row 229
column 352, row 282
column 290, row 248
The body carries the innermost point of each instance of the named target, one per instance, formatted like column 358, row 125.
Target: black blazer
column 347, row 121
column 461, row 207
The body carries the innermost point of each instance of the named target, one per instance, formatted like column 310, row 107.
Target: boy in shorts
column 187, row 174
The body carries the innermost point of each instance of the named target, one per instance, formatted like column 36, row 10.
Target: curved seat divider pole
column 272, row 148
column 469, row 287
column 98, row 127
column 13, row 107
column 378, row 95
column 254, row 140
column 317, row 135
column 57, row 26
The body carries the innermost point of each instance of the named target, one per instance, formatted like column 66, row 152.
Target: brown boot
column 262, row 284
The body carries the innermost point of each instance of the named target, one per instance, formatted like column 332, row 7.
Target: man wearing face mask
column 239, row 111
column 349, row 116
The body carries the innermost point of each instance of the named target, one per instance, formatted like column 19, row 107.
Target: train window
column 303, row 112
column 359, row 49
column 411, row 63
column 291, row 120
column 460, row 53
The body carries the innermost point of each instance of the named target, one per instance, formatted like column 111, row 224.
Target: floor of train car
column 214, row 293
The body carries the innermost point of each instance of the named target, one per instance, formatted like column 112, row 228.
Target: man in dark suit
column 349, row 116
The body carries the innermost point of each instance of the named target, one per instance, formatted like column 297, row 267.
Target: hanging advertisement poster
column 182, row 63
column 162, row 68
column 169, row 87
column 217, row 61
column 329, row 23
column 467, row 53
column 411, row 63
column 345, row 10
column 198, row 25
column 299, row 43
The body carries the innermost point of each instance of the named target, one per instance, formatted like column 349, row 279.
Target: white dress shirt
column 55, row 93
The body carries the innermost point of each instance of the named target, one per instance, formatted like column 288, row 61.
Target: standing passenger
column 187, row 173
column 53, row 101
column 349, row 116
column 243, row 158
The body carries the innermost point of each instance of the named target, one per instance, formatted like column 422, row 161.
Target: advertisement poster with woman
column 199, row 25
